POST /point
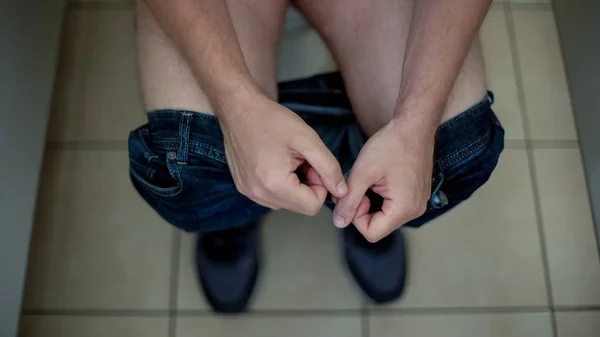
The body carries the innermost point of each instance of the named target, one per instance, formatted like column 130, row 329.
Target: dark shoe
column 378, row 268
column 227, row 263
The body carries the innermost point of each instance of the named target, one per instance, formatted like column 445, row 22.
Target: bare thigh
column 165, row 77
column 368, row 39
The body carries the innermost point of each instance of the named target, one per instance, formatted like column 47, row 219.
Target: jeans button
column 439, row 200
column 171, row 155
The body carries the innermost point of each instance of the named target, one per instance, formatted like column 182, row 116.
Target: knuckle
column 254, row 192
column 270, row 183
column 411, row 210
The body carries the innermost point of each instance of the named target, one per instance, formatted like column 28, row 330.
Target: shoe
column 378, row 268
column 227, row 263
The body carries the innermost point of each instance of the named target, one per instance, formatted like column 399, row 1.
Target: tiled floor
column 519, row 259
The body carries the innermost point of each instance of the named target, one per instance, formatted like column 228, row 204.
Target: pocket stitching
column 161, row 191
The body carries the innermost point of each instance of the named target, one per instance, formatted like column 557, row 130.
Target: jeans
column 178, row 165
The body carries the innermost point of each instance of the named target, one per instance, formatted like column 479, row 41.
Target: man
column 411, row 118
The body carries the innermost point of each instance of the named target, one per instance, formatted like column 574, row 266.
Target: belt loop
column 184, row 137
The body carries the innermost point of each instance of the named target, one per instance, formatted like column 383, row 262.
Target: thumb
column 326, row 165
column 347, row 207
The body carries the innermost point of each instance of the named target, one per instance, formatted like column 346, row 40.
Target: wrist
column 235, row 98
column 417, row 123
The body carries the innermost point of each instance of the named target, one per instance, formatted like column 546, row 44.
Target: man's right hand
column 265, row 143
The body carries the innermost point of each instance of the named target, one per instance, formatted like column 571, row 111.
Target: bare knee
column 166, row 79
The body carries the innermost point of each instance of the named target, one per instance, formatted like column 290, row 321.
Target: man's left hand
column 397, row 164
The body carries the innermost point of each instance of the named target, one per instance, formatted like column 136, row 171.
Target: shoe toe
column 228, row 287
column 379, row 268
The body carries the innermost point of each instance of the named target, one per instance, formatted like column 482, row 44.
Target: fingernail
column 338, row 221
column 342, row 187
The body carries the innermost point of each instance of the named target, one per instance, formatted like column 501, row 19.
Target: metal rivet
column 171, row 155
column 439, row 200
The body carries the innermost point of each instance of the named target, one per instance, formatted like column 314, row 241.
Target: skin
column 439, row 40
column 261, row 155
column 407, row 67
column 389, row 51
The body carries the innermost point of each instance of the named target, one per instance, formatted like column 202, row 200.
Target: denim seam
column 195, row 113
column 207, row 150
column 173, row 168
column 160, row 191
column 457, row 156
column 197, row 148
column 463, row 115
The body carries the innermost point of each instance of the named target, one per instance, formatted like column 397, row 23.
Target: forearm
column 204, row 33
column 441, row 35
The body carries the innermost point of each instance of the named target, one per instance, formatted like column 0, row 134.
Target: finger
column 363, row 217
column 312, row 177
column 363, row 209
column 325, row 164
column 345, row 209
column 300, row 198
column 382, row 223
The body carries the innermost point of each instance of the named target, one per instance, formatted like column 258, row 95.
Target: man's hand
column 265, row 143
column 397, row 164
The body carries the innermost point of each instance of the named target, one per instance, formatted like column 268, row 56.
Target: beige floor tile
column 73, row 326
column 189, row 296
column 302, row 267
column 96, row 245
column 474, row 325
column 97, row 94
column 545, row 86
column 568, row 226
column 483, row 253
column 578, row 324
column 302, row 53
column 500, row 72
column 253, row 326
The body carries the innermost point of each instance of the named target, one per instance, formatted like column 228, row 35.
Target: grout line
column 515, row 144
column 276, row 313
column 100, row 5
column 569, row 308
column 307, row 312
column 365, row 323
column 554, row 144
column 512, row 36
column 174, row 282
column 120, row 145
column 364, row 319
column 459, row 310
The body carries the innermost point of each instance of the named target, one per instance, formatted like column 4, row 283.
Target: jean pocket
column 153, row 170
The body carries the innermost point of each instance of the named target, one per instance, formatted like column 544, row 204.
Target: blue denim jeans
column 178, row 164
